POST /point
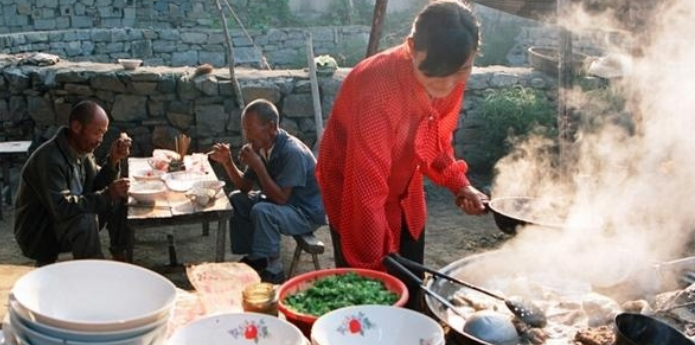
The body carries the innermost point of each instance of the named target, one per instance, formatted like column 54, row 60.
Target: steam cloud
column 635, row 186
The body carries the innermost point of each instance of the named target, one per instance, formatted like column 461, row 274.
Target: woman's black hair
column 449, row 33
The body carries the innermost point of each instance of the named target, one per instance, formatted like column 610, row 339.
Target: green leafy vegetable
column 337, row 291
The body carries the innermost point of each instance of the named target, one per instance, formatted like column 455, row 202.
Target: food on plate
column 161, row 158
column 337, row 291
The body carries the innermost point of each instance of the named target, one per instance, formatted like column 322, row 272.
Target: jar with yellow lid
column 260, row 298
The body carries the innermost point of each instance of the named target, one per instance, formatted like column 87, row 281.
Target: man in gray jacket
column 64, row 197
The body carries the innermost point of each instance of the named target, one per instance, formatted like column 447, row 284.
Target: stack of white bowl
column 95, row 302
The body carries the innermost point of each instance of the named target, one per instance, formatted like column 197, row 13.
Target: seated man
column 288, row 201
column 64, row 197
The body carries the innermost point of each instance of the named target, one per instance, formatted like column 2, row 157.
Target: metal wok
column 483, row 269
column 511, row 213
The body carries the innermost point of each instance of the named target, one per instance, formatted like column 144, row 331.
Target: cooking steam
column 628, row 177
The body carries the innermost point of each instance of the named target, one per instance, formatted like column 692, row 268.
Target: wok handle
column 389, row 261
column 410, row 264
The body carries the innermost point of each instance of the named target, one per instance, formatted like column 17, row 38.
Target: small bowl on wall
column 130, row 64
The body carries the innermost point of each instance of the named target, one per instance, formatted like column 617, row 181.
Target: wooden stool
column 310, row 244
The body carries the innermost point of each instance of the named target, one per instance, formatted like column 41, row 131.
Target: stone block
column 208, row 119
column 161, row 46
column 141, row 49
column 40, row 110
column 217, row 59
column 187, row 90
column 298, row 105
column 170, row 35
column 127, row 108
column 194, row 37
column 4, row 111
column 167, row 84
column 18, row 79
column 143, row 88
column 73, row 48
column 18, row 108
column 108, row 83
column 155, row 108
column 78, row 89
column 111, row 22
column 206, row 84
column 84, row 22
column 37, row 37
column 79, row 9
column 180, row 120
column 62, row 23
column 246, row 55
column 270, row 92
column 186, row 58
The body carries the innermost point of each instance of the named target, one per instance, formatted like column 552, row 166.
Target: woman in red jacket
column 392, row 124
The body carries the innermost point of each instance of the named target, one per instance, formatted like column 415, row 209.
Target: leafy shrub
column 511, row 114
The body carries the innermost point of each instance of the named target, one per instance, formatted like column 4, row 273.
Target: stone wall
column 281, row 48
column 153, row 104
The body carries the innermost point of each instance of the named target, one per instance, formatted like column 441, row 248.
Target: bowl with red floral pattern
column 376, row 324
column 238, row 329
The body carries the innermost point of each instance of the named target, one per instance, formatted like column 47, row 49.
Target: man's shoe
column 258, row 265
column 273, row 278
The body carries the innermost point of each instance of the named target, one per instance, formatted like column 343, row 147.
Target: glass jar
column 260, row 298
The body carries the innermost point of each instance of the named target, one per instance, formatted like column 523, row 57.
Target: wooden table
column 175, row 208
column 8, row 150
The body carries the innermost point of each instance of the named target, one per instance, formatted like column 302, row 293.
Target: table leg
column 130, row 245
column 220, row 245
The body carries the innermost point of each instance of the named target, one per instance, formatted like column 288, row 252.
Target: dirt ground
column 451, row 235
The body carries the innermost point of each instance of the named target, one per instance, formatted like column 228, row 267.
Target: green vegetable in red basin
column 337, row 291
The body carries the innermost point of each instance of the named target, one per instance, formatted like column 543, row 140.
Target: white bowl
column 130, row 64
column 148, row 174
column 94, row 295
column 20, row 314
column 182, row 181
column 238, row 329
column 215, row 185
column 23, row 330
column 147, row 191
column 376, row 324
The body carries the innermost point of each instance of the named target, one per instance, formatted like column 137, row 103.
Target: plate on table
column 148, row 174
column 182, row 181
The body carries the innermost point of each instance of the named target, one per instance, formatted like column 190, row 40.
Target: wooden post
column 315, row 96
column 565, row 75
column 230, row 57
column 377, row 24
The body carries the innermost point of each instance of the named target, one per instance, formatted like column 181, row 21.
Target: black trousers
column 411, row 248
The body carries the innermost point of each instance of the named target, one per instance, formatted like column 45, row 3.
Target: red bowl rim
column 392, row 283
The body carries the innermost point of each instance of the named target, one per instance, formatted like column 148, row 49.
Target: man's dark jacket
column 51, row 192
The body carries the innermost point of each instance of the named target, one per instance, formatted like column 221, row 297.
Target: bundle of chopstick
column 181, row 144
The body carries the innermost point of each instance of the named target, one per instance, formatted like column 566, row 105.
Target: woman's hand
column 471, row 200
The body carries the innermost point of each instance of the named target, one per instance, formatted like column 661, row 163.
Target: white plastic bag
column 219, row 285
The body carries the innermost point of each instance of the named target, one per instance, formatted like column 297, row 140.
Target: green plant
column 511, row 114
column 325, row 62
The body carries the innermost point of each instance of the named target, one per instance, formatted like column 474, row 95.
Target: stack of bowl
column 96, row 302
